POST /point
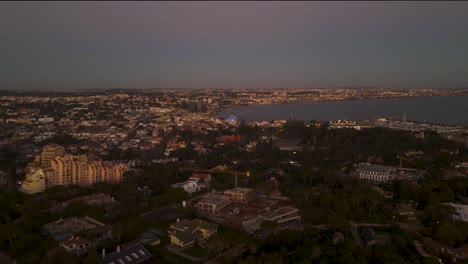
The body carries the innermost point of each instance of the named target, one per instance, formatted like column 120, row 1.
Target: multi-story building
column 376, row 173
column 48, row 153
column 212, row 203
column 58, row 168
column 241, row 195
column 79, row 171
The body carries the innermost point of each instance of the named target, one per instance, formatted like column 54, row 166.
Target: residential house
column 132, row 254
column 76, row 245
column 188, row 186
column 151, row 237
column 201, row 177
column 184, row 233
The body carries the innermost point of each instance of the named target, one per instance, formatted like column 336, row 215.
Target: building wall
column 34, row 183
column 242, row 197
column 208, row 206
column 207, row 233
column 75, row 170
column 49, row 152
column 376, row 175
column 462, row 210
column 179, row 243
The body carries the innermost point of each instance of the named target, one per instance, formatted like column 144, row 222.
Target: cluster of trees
column 313, row 246
column 323, row 196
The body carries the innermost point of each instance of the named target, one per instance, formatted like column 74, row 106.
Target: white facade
column 188, row 186
column 34, row 183
column 462, row 210
column 376, row 173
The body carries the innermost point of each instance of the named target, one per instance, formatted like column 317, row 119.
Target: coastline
column 214, row 113
column 447, row 111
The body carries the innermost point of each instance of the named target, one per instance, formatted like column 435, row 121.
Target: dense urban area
column 153, row 176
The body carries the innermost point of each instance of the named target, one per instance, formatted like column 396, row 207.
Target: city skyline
column 89, row 45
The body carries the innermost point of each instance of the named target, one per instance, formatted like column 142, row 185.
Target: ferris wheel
column 232, row 119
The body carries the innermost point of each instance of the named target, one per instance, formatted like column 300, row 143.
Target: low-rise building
column 65, row 228
column 212, row 203
column 184, row 233
column 252, row 225
column 76, row 245
column 342, row 124
column 93, row 199
column 282, row 215
column 201, row 178
column 133, row 254
column 376, row 173
column 188, row 186
column 241, row 195
column 151, row 237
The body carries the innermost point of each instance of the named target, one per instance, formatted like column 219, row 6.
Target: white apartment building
column 376, row 173
column 188, row 186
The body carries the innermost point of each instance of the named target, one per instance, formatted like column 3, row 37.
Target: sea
column 449, row 110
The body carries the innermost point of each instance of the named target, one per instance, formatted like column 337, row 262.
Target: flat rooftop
column 279, row 212
column 238, row 190
column 375, row 167
column 214, row 199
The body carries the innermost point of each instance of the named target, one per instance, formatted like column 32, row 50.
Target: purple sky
column 68, row 45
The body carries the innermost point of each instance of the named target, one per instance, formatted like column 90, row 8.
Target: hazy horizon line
column 214, row 88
